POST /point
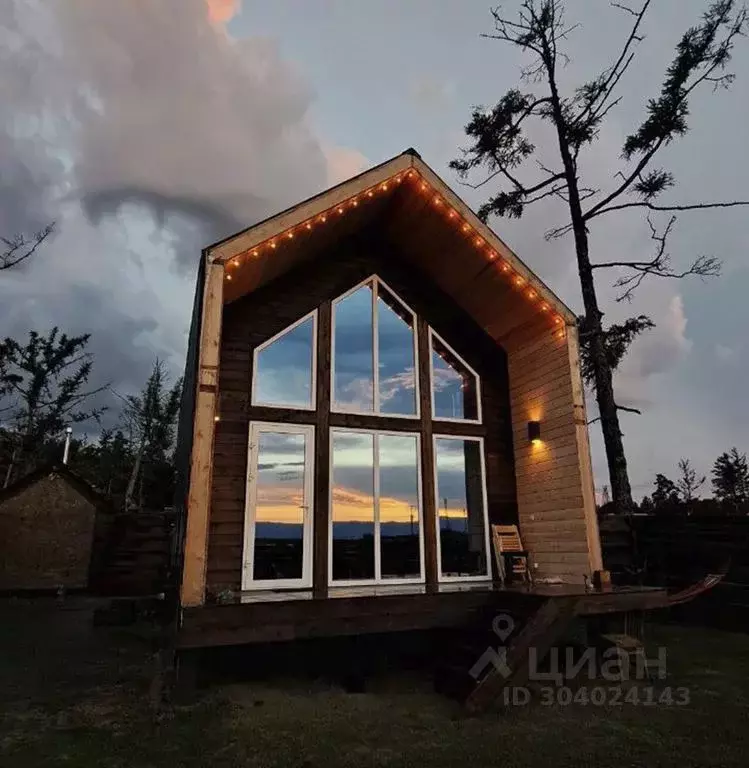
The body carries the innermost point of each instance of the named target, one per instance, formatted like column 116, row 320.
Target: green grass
column 92, row 710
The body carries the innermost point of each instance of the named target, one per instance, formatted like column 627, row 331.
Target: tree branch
column 619, row 408
column 653, row 207
column 19, row 247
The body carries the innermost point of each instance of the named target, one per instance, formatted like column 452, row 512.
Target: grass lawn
column 73, row 697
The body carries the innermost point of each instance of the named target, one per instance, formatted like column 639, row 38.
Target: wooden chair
column 511, row 558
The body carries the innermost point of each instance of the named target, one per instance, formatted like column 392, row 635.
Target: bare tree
column 21, row 247
column 688, row 483
column 500, row 147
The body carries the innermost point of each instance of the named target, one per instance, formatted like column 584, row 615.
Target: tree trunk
column 621, row 491
column 130, row 491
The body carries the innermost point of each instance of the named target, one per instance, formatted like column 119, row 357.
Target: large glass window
column 278, row 520
column 455, row 385
column 374, row 353
column 461, row 507
column 375, row 507
column 284, row 367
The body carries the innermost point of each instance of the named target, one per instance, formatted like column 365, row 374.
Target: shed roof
column 433, row 228
column 71, row 478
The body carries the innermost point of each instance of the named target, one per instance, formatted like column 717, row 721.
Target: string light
column 438, row 201
column 217, row 418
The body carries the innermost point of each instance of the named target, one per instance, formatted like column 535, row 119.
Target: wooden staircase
column 478, row 664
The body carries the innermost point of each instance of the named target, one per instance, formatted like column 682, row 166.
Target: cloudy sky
column 148, row 128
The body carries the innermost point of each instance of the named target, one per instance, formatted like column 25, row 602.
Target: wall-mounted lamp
column 534, row 431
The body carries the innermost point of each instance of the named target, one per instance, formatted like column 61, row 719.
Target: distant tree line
column 730, row 489
column 44, row 389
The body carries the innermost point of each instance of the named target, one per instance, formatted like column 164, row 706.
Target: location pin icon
column 502, row 626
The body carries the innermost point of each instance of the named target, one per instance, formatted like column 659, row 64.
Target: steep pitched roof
column 432, row 226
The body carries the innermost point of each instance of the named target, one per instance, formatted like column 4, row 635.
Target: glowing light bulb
column 505, row 266
column 519, row 280
column 308, row 225
column 290, row 235
column 228, row 277
column 370, row 193
column 398, row 179
column 340, row 210
column 384, row 187
column 255, row 252
column 478, row 242
column 410, row 174
column 354, row 203
column 466, row 227
column 544, row 307
column 531, row 294
column 272, row 243
column 492, row 255
column 323, row 219
column 557, row 320
column 437, row 200
column 235, row 262
column 423, row 186
column 452, row 214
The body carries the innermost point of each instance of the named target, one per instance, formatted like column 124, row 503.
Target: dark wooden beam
column 322, row 455
column 428, row 500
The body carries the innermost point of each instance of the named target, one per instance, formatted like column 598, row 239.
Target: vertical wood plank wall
column 556, row 504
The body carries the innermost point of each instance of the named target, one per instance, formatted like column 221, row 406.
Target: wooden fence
column 676, row 550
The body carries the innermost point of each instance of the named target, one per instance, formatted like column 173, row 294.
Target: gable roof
column 432, row 226
column 71, row 478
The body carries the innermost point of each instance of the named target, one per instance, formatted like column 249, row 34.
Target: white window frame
column 378, row 579
column 433, row 335
column 248, row 582
column 313, row 387
column 376, row 280
column 477, row 577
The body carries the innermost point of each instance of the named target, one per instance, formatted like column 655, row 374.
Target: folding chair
column 512, row 559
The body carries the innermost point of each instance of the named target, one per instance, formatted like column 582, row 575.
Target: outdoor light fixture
column 534, row 431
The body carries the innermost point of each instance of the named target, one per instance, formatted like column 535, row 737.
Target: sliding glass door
column 278, row 514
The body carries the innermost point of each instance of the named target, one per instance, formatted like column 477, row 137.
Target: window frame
column 377, row 580
column 432, row 335
column 375, row 279
column 248, row 583
column 441, row 578
column 313, row 384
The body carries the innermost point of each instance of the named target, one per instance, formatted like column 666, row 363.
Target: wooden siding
column 556, row 506
column 250, row 321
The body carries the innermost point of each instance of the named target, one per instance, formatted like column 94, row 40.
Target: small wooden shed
column 373, row 379
column 49, row 521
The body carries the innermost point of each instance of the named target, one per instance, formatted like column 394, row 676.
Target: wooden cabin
column 52, row 524
column 373, row 379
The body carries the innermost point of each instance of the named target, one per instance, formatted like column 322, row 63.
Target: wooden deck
column 277, row 621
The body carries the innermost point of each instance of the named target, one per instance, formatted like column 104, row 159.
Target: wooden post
column 201, row 460
column 320, row 530
column 595, row 555
column 429, row 503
